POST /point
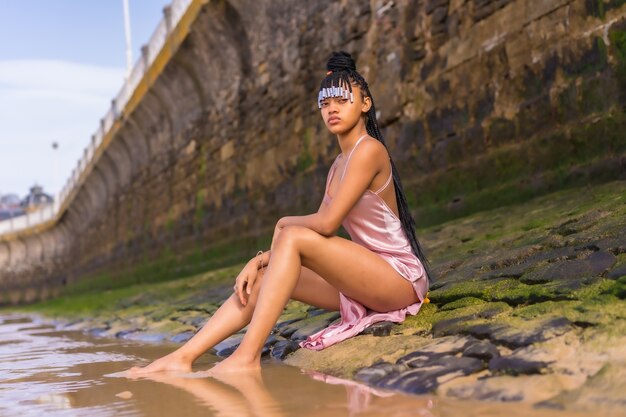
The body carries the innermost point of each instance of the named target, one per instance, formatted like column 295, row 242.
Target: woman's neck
column 348, row 140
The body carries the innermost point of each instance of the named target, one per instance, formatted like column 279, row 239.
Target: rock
column 379, row 329
column 433, row 371
column 482, row 350
column 444, row 346
column 591, row 266
column 283, row 324
column 516, row 337
column 98, row 331
column 228, row 346
column 307, row 330
column 198, row 322
column 269, row 342
column 515, row 366
column 374, row 373
column 314, row 311
column 617, row 272
column 182, row 337
column 493, row 309
column 300, row 329
column 613, row 244
column 123, row 334
column 453, row 326
column 282, row 348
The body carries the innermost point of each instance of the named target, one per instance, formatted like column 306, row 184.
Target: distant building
column 10, row 206
column 35, row 198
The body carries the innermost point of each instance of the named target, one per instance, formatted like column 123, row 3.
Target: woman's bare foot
column 171, row 362
column 235, row 363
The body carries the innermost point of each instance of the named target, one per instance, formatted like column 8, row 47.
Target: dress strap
column 331, row 171
column 349, row 155
column 386, row 184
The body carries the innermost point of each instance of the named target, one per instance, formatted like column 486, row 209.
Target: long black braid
column 343, row 72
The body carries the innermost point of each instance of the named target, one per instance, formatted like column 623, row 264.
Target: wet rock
column 379, row 329
column 427, row 377
column 452, row 326
column 309, row 329
column 515, row 337
column 182, row 337
column 228, row 346
column 68, row 326
column 123, row 334
column 613, row 244
column 374, row 373
column 444, row 346
column 564, row 289
column 269, row 342
column 281, row 325
column 98, row 331
column 282, row 348
column 314, row 311
column 516, row 366
column 483, row 350
column 198, row 322
column 493, row 309
column 617, row 272
column 594, row 265
column 300, row 329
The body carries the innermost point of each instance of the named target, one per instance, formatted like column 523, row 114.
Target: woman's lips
column 333, row 120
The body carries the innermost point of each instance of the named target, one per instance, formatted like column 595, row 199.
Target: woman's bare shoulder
column 374, row 149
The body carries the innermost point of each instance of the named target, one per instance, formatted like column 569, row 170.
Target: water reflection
column 279, row 391
column 47, row 371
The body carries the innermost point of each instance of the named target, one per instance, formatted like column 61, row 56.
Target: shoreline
column 528, row 307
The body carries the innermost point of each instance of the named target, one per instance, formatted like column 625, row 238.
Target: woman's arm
column 313, row 221
column 365, row 163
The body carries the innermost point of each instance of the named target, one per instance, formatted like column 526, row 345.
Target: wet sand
column 46, row 371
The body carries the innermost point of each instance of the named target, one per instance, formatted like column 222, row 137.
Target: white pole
column 129, row 53
column 53, row 190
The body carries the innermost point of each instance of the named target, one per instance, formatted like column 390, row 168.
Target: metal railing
column 171, row 16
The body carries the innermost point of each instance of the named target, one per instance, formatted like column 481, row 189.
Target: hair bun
column 340, row 61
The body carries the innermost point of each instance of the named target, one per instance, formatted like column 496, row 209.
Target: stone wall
column 482, row 103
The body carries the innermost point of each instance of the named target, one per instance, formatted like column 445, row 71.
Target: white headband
column 333, row 92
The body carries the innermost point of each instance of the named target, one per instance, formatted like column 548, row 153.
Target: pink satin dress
column 373, row 224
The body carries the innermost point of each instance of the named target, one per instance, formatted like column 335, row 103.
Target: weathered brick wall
column 482, row 103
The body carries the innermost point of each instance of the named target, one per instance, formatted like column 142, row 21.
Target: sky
column 61, row 64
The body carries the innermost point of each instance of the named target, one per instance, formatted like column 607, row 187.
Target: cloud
column 42, row 101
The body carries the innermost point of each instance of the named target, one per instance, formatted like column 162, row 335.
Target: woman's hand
column 245, row 281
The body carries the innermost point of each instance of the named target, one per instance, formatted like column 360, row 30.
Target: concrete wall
column 482, row 103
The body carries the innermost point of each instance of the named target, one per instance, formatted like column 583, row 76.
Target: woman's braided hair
column 341, row 71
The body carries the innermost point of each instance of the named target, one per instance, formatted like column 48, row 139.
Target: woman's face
column 340, row 115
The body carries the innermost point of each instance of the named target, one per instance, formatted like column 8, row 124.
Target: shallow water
column 48, row 371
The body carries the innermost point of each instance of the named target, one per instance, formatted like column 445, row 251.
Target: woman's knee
column 293, row 235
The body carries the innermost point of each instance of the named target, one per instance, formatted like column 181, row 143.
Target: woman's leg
column 232, row 317
column 354, row 270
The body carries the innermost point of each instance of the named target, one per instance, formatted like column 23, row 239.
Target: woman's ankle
column 184, row 356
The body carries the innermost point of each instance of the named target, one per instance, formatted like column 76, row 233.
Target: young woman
column 380, row 274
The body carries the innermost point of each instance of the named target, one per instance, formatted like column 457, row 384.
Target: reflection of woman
column 249, row 398
column 381, row 274
column 280, row 390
